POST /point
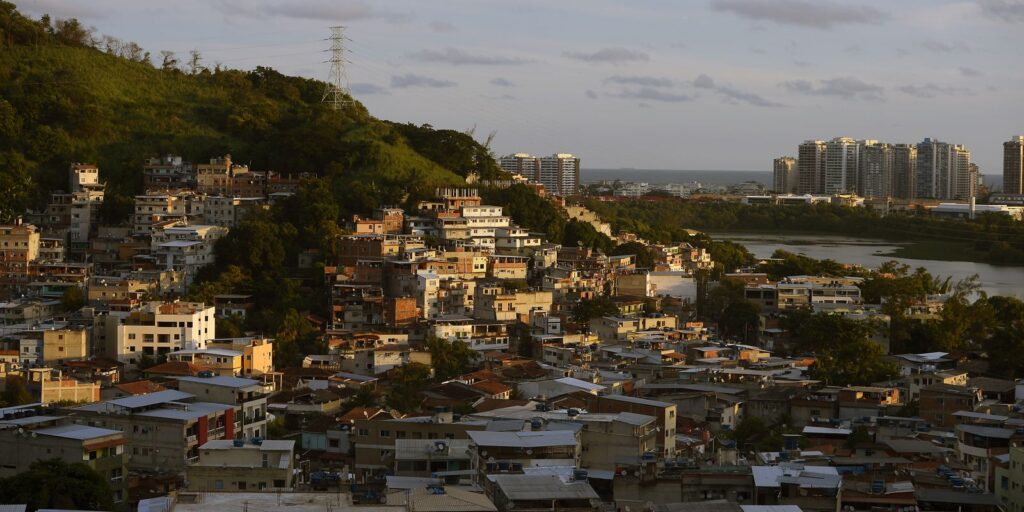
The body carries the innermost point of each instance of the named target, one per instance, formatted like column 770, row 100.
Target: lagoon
column 870, row 252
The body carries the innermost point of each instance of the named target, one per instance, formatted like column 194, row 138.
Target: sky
column 647, row 84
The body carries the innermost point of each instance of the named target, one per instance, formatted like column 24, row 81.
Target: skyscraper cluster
column 559, row 173
column 929, row 169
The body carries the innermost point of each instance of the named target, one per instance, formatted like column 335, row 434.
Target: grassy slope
column 79, row 104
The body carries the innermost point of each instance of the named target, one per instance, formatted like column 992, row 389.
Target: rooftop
column 542, row 487
column 523, row 439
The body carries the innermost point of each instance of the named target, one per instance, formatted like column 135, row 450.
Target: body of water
column 868, row 252
column 704, row 177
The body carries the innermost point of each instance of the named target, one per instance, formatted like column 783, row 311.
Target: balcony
column 191, row 439
column 238, row 426
column 191, row 460
column 215, row 432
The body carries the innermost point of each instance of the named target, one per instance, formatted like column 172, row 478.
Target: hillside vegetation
column 63, row 99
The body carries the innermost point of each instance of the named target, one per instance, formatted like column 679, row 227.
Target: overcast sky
column 656, row 84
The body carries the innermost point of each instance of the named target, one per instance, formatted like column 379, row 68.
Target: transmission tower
column 336, row 94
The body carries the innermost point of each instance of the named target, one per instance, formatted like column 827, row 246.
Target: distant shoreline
column 707, row 177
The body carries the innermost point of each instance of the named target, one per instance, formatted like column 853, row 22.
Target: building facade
column 785, row 175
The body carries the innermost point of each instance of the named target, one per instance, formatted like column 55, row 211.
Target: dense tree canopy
column 55, row 484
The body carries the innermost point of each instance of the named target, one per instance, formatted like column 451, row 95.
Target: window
column 385, row 433
column 364, row 432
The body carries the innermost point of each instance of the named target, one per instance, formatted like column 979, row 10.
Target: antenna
column 336, row 93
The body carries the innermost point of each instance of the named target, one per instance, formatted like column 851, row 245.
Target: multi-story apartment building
column 228, row 211
column 168, row 172
column 560, row 173
column 48, row 386
column 218, row 176
column 509, row 452
column 241, row 465
column 375, row 439
column 83, row 177
column 841, row 165
column 19, row 246
column 876, row 166
column 492, row 302
column 1013, row 165
column 185, row 249
column 785, row 175
column 257, row 354
column 811, row 167
column 27, row 437
column 1009, row 479
column 164, row 429
column 943, row 171
column 155, row 328
column 155, row 210
column 904, row 171
column 664, row 412
column 248, row 396
column 524, row 164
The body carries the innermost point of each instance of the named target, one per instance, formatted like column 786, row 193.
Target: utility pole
column 336, row 94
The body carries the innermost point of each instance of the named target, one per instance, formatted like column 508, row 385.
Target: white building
column 185, row 249
column 560, row 173
column 159, row 328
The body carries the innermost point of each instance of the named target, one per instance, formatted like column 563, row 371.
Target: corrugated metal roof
column 453, row 500
column 222, row 381
column 80, row 432
column 542, row 487
column 139, row 401
column 523, row 439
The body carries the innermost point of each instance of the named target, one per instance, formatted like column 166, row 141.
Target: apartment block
column 243, row 465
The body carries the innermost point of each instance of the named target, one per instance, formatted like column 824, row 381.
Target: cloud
column 648, row 81
column 704, row 82
column 442, row 26
column 652, row 94
column 801, row 63
column 1010, row 11
column 591, row 94
column 458, row 57
column 847, row 88
column 502, row 82
column 62, row 9
column 320, row 10
column 820, row 14
column 932, row 90
column 965, row 71
column 411, row 80
column 731, row 94
column 366, row 88
column 611, row 55
column 944, row 47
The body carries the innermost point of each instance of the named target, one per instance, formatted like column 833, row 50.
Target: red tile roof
column 140, row 387
column 176, row 368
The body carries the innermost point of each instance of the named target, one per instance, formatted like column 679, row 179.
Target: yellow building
column 62, row 345
column 49, row 386
column 257, row 353
column 1009, row 481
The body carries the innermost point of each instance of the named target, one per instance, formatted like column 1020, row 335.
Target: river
column 868, row 252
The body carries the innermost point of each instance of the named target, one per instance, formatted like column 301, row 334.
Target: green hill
column 64, row 100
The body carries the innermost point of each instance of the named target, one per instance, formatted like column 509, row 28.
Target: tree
column 15, row 392
column 593, row 308
column 644, row 256
column 55, row 484
column 449, row 358
column 843, row 350
column 73, row 299
column 406, row 382
column 578, row 233
column 16, row 184
column 194, row 59
column 168, row 61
